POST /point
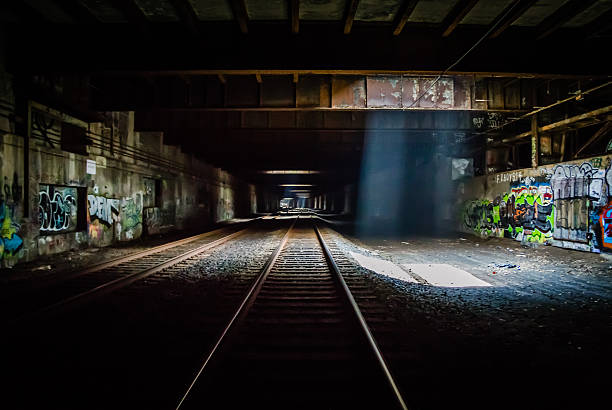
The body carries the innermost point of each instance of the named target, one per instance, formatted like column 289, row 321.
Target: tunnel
column 305, row 204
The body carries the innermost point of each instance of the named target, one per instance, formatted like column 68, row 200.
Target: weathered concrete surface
column 94, row 184
column 566, row 204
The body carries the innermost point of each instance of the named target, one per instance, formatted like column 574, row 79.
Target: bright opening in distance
column 289, row 171
column 296, row 185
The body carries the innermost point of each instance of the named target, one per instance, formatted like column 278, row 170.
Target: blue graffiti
column 10, row 242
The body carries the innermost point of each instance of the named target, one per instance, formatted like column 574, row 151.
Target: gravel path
column 541, row 331
column 139, row 347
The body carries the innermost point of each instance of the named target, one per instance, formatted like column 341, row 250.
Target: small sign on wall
column 91, row 167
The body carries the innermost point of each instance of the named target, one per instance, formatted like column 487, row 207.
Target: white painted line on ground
column 441, row 274
column 383, row 267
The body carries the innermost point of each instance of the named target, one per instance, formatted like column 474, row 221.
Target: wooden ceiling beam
column 133, row 14
column 403, row 14
column 76, row 11
column 512, row 13
column 295, row 16
column 597, row 135
column 452, row 20
column 26, row 13
column 600, row 24
column 350, row 15
column 187, row 16
column 563, row 14
column 480, row 74
column 241, row 15
column 563, row 123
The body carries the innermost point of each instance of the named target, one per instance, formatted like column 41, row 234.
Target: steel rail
column 361, row 320
column 244, row 307
column 121, row 282
column 126, row 258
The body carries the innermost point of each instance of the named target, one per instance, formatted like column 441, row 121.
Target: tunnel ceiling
column 254, row 85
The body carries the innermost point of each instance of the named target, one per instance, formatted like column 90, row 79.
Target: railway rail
column 297, row 340
column 86, row 284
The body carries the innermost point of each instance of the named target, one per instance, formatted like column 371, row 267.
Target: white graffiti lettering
column 104, row 209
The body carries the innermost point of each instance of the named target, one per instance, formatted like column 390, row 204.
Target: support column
column 535, row 142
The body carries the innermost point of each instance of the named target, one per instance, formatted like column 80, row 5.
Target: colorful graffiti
column 10, row 242
column 605, row 223
column 57, row 209
column 567, row 205
column 152, row 221
column 12, row 192
column 525, row 213
column 578, row 190
column 106, row 210
column 131, row 217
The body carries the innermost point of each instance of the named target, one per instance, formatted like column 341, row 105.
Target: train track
column 82, row 286
column 297, row 340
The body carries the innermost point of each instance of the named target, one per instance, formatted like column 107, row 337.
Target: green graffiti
column 526, row 213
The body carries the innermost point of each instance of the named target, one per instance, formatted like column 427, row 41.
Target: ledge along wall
column 120, row 186
column 568, row 205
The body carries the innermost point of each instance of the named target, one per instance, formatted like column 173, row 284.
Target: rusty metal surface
column 480, row 94
column 496, row 94
column 282, row 119
column 384, row 91
column 419, row 92
column 254, row 119
column 463, row 92
column 241, row 91
column 313, row 91
column 512, row 96
column 337, row 120
column 277, row 91
column 309, row 119
column 348, row 92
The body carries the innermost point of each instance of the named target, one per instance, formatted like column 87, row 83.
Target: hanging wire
column 450, row 67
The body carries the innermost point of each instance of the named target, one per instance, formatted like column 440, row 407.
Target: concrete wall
column 566, row 205
column 123, row 185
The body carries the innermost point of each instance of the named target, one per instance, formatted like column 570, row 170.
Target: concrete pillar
column 535, row 142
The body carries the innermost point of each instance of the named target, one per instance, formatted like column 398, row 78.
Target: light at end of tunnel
column 289, row 171
column 296, row 185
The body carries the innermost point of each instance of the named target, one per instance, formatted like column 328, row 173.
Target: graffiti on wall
column 102, row 213
column 57, row 209
column 605, row 223
column 131, row 217
column 152, row 221
column 103, row 209
column 525, row 213
column 10, row 242
column 568, row 206
column 577, row 191
column 12, row 191
column 148, row 192
column 108, row 217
